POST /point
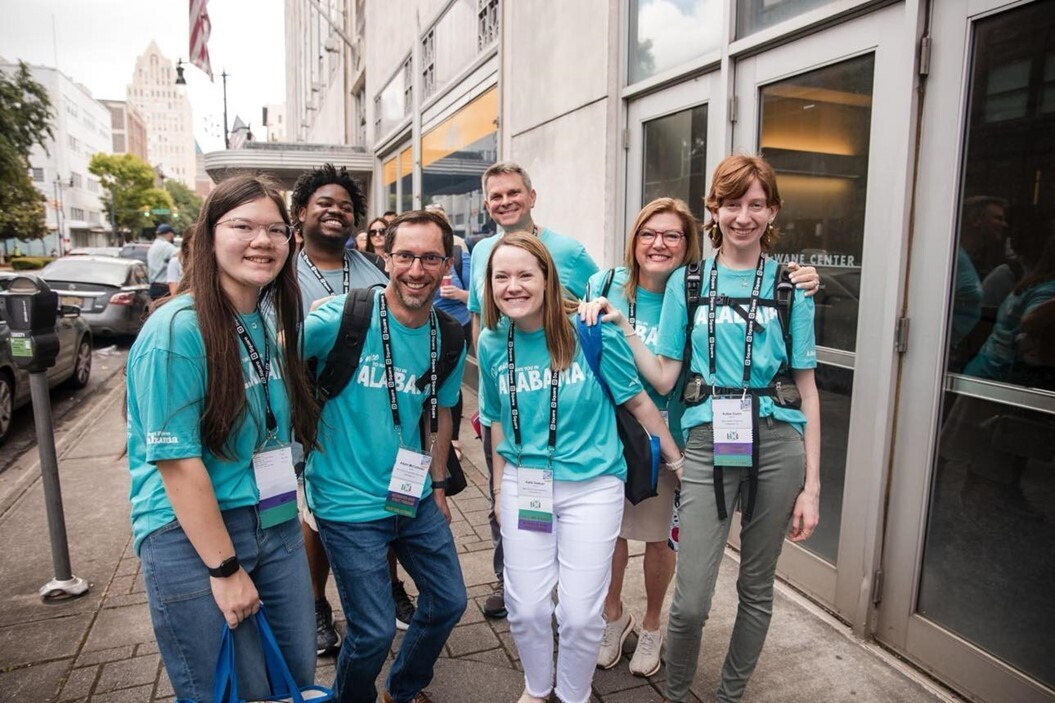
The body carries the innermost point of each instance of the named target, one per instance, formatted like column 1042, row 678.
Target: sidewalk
column 100, row 648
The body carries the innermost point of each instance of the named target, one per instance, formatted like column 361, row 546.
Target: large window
column 390, row 106
column 988, row 562
column 448, row 47
column 755, row 15
column 406, row 179
column 668, row 33
column 676, row 158
column 454, row 156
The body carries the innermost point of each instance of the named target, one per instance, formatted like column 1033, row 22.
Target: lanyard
column 712, row 303
column 322, row 279
column 390, row 372
column 632, row 316
column 554, row 383
column 263, row 371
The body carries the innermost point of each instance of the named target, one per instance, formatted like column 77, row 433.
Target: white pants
column 576, row 558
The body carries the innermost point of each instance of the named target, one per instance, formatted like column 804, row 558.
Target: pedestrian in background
column 158, row 254
column 558, row 463
column 175, row 266
column 213, row 390
column 375, row 236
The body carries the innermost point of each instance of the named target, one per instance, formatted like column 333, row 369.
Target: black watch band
column 440, row 484
column 226, row 568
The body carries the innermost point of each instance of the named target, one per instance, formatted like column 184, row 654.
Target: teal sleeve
column 490, row 403
column 476, row 263
column 321, row 327
column 170, row 393
column 672, row 318
column 803, row 339
column 448, row 394
column 617, row 364
column 584, row 268
column 593, row 286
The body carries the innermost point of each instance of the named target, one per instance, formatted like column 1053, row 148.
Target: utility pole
column 226, row 134
column 59, row 214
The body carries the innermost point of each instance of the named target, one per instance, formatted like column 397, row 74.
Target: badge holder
column 407, row 482
column 276, row 480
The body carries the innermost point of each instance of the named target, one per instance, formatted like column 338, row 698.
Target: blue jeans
column 187, row 622
column 358, row 553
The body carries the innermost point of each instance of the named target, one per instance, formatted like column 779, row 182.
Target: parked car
column 112, row 293
column 73, row 365
column 135, row 250
column 95, row 251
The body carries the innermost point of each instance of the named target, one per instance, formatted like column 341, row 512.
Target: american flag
column 200, row 28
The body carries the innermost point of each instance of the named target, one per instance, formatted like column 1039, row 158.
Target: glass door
column 674, row 143
column 828, row 112
column 970, row 561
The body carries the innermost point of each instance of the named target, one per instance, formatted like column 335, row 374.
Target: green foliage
column 130, row 182
column 30, row 263
column 25, row 115
column 187, row 205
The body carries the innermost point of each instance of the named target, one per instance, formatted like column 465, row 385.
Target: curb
column 21, row 476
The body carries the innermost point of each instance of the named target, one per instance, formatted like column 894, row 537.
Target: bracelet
column 631, row 333
column 496, row 491
column 676, row 465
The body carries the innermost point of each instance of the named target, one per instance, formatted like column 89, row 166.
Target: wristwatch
column 226, row 568
column 440, row 484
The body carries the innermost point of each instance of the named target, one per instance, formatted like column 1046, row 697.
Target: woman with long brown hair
column 213, row 390
column 558, row 462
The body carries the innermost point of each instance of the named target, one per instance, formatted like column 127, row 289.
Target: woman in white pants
column 558, row 462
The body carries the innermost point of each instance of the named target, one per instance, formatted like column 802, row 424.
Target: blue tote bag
column 284, row 689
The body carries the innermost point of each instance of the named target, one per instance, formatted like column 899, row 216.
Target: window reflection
column 668, row 33
column 406, row 182
column 755, row 15
column 675, row 163
column 388, row 176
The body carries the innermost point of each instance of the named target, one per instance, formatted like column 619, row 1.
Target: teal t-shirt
column 730, row 331
column 647, row 311
column 574, row 264
column 347, row 478
column 167, row 382
column 587, row 441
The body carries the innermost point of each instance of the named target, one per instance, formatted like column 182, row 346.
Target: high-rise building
column 80, row 128
column 166, row 110
column 129, row 129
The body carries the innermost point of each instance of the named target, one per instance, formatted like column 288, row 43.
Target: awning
column 287, row 161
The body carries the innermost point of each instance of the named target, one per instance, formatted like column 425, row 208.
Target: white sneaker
column 645, row 661
column 615, row 633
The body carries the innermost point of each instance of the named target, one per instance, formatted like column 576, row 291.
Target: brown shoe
column 421, row 697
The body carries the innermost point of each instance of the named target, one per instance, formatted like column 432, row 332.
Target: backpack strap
column 784, row 293
column 452, row 342
column 343, row 359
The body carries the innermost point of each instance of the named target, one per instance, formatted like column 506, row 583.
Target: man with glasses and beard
column 369, row 487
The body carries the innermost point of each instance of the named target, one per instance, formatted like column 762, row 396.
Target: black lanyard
column 632, row 316
column 554, row 384
column 322, row 279
column 712, row 304
column 262, row 368
column 390, row 372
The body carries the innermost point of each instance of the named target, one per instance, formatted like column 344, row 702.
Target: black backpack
column 343, row 361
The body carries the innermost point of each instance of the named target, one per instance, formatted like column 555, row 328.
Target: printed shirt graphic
column 730, row 329
column 166, row 390
column 587, row 441
column 573, row 264
column 648, row 308
column 347, row 478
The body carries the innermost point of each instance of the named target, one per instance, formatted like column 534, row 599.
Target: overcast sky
column 96, row 43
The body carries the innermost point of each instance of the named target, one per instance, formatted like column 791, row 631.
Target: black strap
column 752, row 313
column 390, row 372
column 606, row 285
column 343, row 359
column 262, row 368
column 554, row 383
column 345, row 280
column 784, row 293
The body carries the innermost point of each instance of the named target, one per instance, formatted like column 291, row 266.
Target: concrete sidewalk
column 100, row 647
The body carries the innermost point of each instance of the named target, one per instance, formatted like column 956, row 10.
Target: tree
column 25, row 120
column 130, row 182
column 187, row 205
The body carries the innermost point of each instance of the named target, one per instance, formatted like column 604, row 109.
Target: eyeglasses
column 671, row 237
column 245, row 230
column 406, row 259
column 377, row 230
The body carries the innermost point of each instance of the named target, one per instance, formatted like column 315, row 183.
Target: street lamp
column 180, row 80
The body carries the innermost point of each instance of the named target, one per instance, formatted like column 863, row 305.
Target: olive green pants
column 703, row 536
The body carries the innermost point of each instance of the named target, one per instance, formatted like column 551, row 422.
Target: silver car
column 112, row 293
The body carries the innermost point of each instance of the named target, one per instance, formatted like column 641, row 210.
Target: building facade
column 81, row 128
column 914, row 142
column 129, row 129
column 166, row 110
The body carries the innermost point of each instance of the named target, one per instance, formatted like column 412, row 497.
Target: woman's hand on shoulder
column 805, row 278
column 600, row 309
column 236, row 596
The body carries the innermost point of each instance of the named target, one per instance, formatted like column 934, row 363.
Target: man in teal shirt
column 509, row 199
column 369, row 484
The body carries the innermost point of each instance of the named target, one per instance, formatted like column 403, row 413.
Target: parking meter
column 31, row 309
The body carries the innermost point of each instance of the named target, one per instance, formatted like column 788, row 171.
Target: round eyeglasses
column 245, row 230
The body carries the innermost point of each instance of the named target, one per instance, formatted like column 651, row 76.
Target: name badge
column 733, row 431
column 535, row 500
column 277, row 483
column 408, row 482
